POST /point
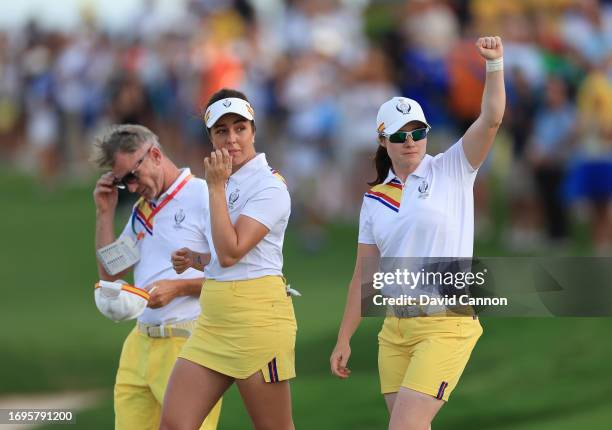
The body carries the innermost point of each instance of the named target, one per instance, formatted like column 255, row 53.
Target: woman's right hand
column 339, row 359
column 182, row 259
column 217, row 168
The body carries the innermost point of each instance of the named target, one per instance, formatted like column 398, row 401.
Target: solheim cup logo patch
column 227, row 103
column 403, row 107
column 179, row 217
column 424, row 190
column 233, row 197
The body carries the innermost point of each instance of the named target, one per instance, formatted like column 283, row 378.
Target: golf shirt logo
column 424, row 190
column 179, row 217
column 233, row 198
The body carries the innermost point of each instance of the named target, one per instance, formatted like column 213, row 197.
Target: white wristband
column 495, row 65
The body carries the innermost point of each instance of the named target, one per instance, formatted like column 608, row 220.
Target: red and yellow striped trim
column 131, row 289
column 390, row 195
column 278, row 175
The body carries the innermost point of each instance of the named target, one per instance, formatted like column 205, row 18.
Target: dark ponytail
column 382, row 162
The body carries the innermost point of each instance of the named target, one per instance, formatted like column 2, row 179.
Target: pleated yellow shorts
column 425, row 354
column 245, row 327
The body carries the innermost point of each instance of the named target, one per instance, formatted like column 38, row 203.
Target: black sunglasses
column 132, row 176
column 402, row 136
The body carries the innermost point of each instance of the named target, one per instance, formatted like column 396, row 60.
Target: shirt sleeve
column 269, row 206
column 456, row 165
column 366, row 235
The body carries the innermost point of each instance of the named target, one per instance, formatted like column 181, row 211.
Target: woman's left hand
column 218, row 167
column 490, row 47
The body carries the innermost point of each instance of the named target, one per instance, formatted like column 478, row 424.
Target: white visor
column 119, row 301
column 225, row 106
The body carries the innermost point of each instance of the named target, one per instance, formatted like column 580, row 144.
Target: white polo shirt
column 258, row 192
column 431, row 215
column 180, row 223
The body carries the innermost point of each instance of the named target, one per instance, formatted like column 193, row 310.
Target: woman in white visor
column 246, row 332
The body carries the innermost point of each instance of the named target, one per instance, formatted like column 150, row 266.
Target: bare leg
column 192, row 392
column 390, row 401
column 268, row 404
column 413, row 410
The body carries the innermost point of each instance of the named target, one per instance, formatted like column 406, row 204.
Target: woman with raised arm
column 421, row 206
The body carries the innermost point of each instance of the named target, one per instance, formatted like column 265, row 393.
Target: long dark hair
column 382, row 162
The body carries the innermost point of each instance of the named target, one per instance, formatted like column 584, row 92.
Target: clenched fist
column 182, row 259
column 490, row 47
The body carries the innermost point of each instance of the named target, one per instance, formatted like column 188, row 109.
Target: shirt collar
column 252, row 166
column 390, row 177
column 184, row 173
column 420, row 171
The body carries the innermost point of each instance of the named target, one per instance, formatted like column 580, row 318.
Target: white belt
column 181, row 329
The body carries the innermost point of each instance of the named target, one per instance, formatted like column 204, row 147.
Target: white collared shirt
column 180, row 223
column 431, row 215
column 255, row 191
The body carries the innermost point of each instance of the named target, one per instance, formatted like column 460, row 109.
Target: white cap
column 228, row 105
column 396, row 113
column 119, row 301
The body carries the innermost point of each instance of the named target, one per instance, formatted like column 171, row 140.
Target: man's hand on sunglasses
column 124, row 182
column 106, row 194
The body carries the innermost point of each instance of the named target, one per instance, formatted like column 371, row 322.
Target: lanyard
column 169, row 197
column 148, row 220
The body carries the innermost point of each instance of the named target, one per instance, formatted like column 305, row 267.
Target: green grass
column 532, row 374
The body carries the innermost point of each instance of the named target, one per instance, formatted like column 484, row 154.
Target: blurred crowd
column 316, row 72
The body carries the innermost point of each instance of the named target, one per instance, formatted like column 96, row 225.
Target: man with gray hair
column 171, row 213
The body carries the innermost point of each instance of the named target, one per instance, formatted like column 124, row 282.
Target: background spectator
column 318, row 69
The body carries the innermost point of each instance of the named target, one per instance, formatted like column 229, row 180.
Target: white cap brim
column 225, row 106
column 395, row 126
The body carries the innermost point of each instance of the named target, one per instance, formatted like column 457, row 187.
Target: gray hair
column 126, row 138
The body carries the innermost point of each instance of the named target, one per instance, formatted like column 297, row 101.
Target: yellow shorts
column 144, row 369
column 425, row 354
column 244, row 327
